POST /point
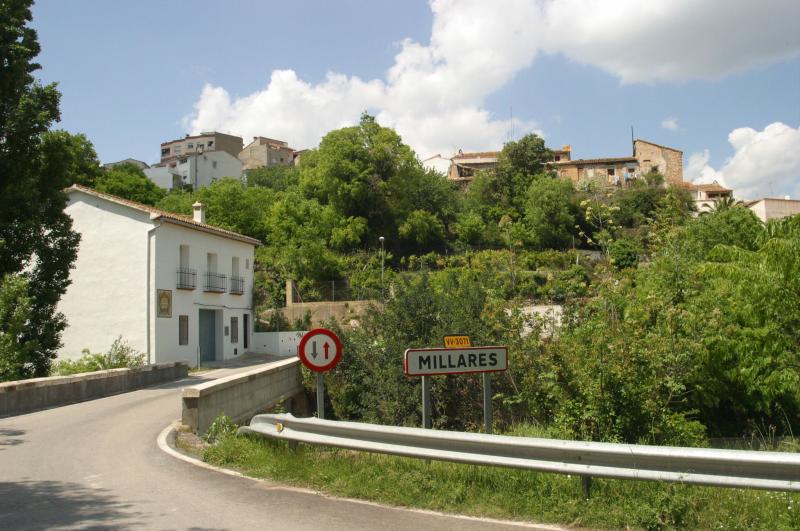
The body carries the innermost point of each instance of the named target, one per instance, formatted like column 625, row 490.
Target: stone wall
column 24, row 396
column 240, row 396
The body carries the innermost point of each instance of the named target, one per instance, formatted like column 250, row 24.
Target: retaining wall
column 240, row 396
column 24, row 396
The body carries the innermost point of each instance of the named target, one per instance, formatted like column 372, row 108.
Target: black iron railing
column 187, row 278
column 237, row 285
column 216, row 283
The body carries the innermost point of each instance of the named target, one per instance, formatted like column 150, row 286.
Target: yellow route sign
column 457, row 341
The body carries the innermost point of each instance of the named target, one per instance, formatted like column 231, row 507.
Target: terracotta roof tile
column 166, row 215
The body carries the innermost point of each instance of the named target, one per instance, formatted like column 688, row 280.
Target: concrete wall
column 240, row 396
column 277, row 343
column 189, row 302
column 108, row 294
column 24, row 396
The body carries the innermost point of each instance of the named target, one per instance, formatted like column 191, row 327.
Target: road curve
column 96, row 465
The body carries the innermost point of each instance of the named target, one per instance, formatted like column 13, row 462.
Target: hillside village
column 509, row 333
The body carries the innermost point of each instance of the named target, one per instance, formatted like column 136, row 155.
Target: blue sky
column 136, row 74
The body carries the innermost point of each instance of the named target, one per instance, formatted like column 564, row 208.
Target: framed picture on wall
column 164, row 303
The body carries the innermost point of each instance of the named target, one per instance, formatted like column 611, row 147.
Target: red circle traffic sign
column 320, row 350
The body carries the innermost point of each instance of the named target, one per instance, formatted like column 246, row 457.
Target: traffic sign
column 320, row 350
column 432, row 361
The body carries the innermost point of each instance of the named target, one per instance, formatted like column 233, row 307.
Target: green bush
column 624, row 253
column 120, row 355
column 221, row 428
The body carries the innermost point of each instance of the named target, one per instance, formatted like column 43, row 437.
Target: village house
column 172, row 286
column 706, row 196
column 774, row 208
column 611, row 171
column 197, row 160
column 264, row 152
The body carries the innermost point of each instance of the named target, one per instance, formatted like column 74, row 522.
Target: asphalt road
column 96, row 465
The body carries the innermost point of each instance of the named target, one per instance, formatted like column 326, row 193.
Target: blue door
column 208, row 337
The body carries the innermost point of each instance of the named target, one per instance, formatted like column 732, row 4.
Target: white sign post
column 428, row 362
column 320, row 351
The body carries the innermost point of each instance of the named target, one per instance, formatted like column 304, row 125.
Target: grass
column 506, row 493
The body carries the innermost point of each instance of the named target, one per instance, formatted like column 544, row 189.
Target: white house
column 172, row 286
column 195, row 169
column 774, row 208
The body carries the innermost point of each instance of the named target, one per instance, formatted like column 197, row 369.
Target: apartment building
column 263, row 151
column 774, row 208
column 174, row 287
column 202, row 143
column 197, row 160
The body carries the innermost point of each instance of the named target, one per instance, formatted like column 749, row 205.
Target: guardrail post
column 586, row 485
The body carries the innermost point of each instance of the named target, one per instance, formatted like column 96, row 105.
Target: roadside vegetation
column 120, row 355
column 505, row 493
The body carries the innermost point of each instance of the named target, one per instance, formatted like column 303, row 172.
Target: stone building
column 463, row 166
column 262, row 152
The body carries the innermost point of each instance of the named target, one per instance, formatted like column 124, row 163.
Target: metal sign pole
column 320, row 396
column 487, row 402
column 426, row 402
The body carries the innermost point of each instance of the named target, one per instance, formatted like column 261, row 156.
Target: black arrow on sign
column 314, row 349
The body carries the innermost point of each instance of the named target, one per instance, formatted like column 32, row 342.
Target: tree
column 550, row 213
column 279, row 178
column 74, row 154
column 129, row 181
column 502, row 191
column 37, row 245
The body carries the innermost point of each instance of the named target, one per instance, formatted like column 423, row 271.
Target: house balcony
column 187, row 278
column 215, row 283
column 237, row 285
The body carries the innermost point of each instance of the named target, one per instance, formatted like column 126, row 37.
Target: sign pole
column 320, row 396
column 426, row 402
column 487, row 402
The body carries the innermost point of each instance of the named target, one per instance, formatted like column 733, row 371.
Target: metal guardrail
column 701, row 466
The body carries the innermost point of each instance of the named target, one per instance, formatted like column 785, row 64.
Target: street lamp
column 383, row 255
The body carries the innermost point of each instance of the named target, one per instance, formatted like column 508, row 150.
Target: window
column 558, row 158
column 234, row 329
column 247, row 263
column 164, row 152
column 281, row 159
column 190, row 146
column 611, row 172
column 210, row 143
column 183, row 329
column 590, row 172
column 235, row 266
column 214, row 164
column 246, row 330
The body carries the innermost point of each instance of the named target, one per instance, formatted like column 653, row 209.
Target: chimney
column 199, row 212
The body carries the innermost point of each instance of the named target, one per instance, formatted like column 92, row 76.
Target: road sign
column 457, row 341
column 432, row 361
column 320, row 350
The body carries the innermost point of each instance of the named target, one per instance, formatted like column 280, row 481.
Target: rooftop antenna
column 633, row 143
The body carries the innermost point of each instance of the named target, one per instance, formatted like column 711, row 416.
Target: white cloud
column 671, row 124
column 673, row 40
column 434, row 94
column 765, row 163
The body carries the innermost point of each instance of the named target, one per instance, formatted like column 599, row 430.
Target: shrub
column 221, row 428
column 120, row 355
